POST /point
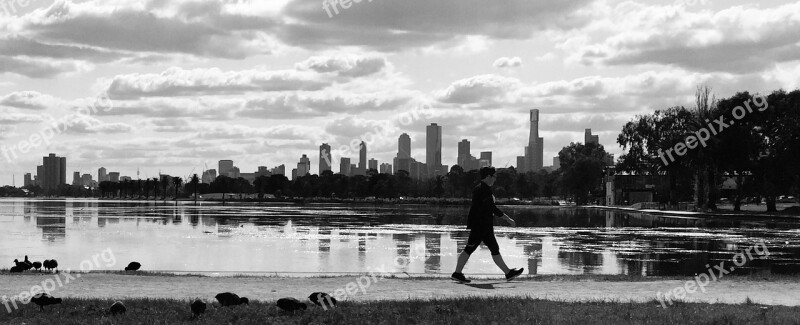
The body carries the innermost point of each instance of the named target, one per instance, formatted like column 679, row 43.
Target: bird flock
column 198, row 307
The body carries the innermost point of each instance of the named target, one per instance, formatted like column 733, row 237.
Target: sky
column 175, row 86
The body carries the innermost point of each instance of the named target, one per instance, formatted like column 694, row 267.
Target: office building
column 101, row 175
column 76, row 178
column 362, row 158
column 325, row 158
column 54, row 172
column 556, row 163
column 386, row 168
column 433, row 149
column 404, row 146
column 487, row 155
column 373, row 164
column 28, row 180
column 113, row 177
column 280, row 170
column 304, row 166
column 86, row 180
column 344, row 166
column 209, row 176
column 225, row 168
column 589, row 138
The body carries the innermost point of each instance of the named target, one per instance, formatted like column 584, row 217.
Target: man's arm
column 489, row 201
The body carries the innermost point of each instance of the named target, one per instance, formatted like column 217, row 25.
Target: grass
column 449, row 311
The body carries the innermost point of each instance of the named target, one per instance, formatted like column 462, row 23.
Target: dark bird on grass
column 37, row 265
column 117, row 308
column 50, row 264
column 15, row 269
column 22, row 265
column 44, row 299
column 26, row 261
column 133, row 266
column 231, row 299
column 322, row 299
column 198, row 307
column 291, row 304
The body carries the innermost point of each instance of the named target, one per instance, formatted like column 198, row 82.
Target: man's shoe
column 513, row 273
column 459, row 277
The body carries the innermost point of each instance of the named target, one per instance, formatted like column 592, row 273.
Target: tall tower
column 433, row 148
column 589, row 138
column 55, row 171
column 325, row 159
column 362, row 158
column 304, row 166
column 404, row 146
column 534, row 152
column 463, row 154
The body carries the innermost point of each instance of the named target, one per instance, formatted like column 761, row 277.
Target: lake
column 313, row 239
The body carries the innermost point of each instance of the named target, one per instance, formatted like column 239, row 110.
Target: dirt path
column 114, row 286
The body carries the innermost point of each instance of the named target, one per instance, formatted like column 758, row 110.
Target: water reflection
column 414, row 239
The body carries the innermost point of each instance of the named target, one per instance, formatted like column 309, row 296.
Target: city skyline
column 261, row 83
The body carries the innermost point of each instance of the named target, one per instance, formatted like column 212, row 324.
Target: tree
column 582, row 167
column 177, row 182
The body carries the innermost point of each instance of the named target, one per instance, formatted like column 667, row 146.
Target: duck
column 26, row 261
column 231, row 299
column 21, row 265
column 50, row 264
column 15, row 269
column 44, row 299
column 133, row 266
column 322, row 299
column 37, row 265
column 117, row 308
column 198, row 307
column 291, row 304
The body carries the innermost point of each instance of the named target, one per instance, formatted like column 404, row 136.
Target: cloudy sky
column 263, row 82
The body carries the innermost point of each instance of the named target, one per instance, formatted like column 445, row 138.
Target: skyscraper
column 304, row 166
column 54, row 171
column 325, row 159
column 76, row 178
column 403, row 159
column 362, row 158
column 534, row 152
column 28, row 180
column 209, row 176
column 114, row 177
column 463, row 153
column 487, row 155
column 433, row 149
column 101, row 175
column 225, row 167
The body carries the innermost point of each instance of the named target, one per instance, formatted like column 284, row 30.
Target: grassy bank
column 451, row 311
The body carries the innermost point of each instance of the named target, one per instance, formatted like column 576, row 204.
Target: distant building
column 403, row 159
column 609, row 159
column 325, row 158
column 209, row 176
column 28, row 180
column 362, row 157
column 123, row 178
column 373, row 164
column 86, row 180
column 433, row 149
column 418, row 171
column 556, row 163
column 225, row 168
column 304, row 166
column 39, row 178
column 534, row 152
column 101, row 174
column 76, row 178
column 113, row 177
column 589, row 138
column 54, row 172
column 234, row 173
column 386, row 168
column 465, row 158
column 345, row 166
column 294, row 174
column 280, row 170
column 487, row 155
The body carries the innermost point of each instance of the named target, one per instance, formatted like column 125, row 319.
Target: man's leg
column 473, row 242
column 462, row 261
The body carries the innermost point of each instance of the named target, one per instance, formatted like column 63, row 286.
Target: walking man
column 480, row 222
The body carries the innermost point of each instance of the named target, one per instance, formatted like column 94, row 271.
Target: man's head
column 487, row 175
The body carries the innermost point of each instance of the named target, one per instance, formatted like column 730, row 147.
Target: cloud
column 478, row 89
column 29, row 100
column 39, row 68
column 399, row 25
column 181, row 82
column 82, row 124
column 7, row 118
column 505, row 62
column 345, row 66
column 739, row 39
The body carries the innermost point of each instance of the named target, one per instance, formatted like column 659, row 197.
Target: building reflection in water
column 433, row 252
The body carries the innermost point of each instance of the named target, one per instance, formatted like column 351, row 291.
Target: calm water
column 330, row 238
